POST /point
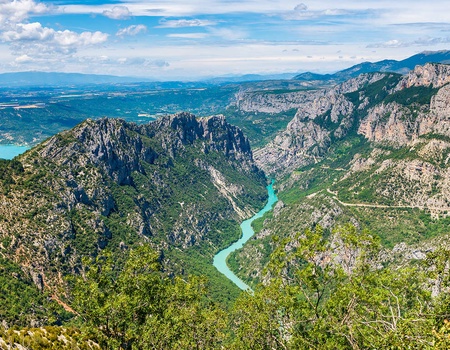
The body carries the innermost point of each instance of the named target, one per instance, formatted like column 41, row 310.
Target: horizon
column 201, row 39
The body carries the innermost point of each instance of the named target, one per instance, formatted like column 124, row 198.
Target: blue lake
column 220, row 259
column 10, row 151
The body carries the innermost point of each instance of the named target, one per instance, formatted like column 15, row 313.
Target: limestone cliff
column 381, row 107
column 177, row 183
column 326, row 115
column 420, row 105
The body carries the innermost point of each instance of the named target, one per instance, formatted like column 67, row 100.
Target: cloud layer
column 176, row 39
column 118, row 12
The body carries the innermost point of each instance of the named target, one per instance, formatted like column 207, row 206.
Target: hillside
column 373, row 151
column 180, row 184
column 392, row 66
column 108, row 221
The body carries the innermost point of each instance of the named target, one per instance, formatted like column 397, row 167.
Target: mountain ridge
column 181, row 184
column 393, row 66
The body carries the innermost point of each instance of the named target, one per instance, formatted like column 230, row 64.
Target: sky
column 193, row 39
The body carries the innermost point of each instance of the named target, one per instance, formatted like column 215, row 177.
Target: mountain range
column 401, row 67
column 46, row 79
column 372, row 150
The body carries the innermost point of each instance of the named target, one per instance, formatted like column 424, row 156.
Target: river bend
column 220, row 259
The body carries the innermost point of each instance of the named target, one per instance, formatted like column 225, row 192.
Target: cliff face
column 381, row 107
column 403, row 123
column 177, row 183
column 326, row 116
column 434, row 75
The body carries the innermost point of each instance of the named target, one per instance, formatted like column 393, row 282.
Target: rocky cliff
column 323, row 117
column 380, row 106
column 179, row 183
column 374, row 151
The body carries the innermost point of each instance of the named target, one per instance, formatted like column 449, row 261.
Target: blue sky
column 186, row 39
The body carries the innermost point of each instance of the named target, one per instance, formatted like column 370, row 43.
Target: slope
column 180, row 184
column 373, row 151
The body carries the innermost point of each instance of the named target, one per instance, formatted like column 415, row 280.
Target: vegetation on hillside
column 321, row 294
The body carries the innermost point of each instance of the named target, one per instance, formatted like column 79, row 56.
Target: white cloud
column 229, row 34
column 33, row 40
column 23, row 59
column 12, row 12
column 132, row 30
column 188, row 35
column 30, row 41
column 180, row 23
column 301, row 7
column 425, row 41
column 128, row 61
column 30, row 32
column 388, row 44
column 118, row 12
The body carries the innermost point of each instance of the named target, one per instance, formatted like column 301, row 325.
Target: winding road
column 367, row 205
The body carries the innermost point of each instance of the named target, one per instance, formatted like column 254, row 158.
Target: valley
column 220, row 259
column 102, row 212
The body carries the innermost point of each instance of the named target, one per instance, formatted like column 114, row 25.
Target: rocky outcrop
column 178, row 182
column 302, row 143
column 269, row 102
column 393, row 123
column 327, row 116
column 381, row 113
column 431, row 74
column 264, row 102
column 401, row 124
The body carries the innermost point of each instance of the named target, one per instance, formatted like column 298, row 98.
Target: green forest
column 318, row 294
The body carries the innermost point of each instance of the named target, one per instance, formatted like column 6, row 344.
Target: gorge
column 220, row 259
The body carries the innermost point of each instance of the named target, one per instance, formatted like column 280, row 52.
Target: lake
column 10, row 151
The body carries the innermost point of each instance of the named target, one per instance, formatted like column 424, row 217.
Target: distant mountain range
column 394, row 66
column 49, row 79
column 45, row 79
column 20, row 79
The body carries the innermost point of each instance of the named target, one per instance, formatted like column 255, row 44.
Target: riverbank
column 220, row 259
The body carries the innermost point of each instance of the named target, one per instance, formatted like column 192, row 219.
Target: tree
column 332, row 294
column 137, row 307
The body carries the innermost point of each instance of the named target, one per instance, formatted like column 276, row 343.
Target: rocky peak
column 118, row 147
column 431, row 74
column 358, row 83
column 110, row 144
column 180, row 181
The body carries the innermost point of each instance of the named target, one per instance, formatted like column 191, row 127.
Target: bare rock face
column 263, row 102
column 300, row 144
column 392, row 122
column 111, row 181
column 356, row 84
column 401, row 124
column 439, row 120
column 434, row 75
column 327, row 116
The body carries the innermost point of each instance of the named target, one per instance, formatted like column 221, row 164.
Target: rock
column 109, row 181
column 430, row 74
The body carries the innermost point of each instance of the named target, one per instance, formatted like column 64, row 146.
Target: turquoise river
column 220, row 260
